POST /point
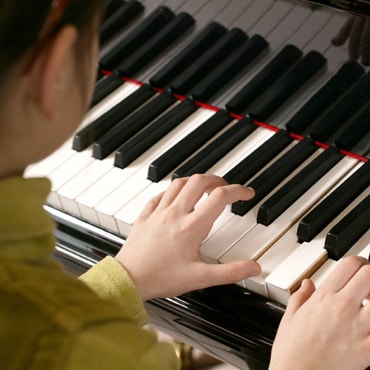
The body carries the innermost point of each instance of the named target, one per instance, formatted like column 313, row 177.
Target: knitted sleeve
column 111, row 281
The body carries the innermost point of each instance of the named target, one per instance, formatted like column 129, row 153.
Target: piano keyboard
column 262, row 61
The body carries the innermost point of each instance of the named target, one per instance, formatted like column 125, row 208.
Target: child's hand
column 327, row 328
column 162, row 251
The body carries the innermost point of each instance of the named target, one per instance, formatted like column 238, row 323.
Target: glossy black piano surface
column 296, row 105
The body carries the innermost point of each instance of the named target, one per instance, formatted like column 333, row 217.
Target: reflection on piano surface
column 252, row 90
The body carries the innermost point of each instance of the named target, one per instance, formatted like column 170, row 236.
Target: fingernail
column 256, row 269
column 251, row 189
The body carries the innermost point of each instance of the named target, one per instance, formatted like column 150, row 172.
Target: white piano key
column 47, row 165
column 232, row 12
column 120, row 197
column 255, row 242
column 212, row 10
column 322, row 41
column 101, row 188
column 305, row 259
column 365, row 252
column 313, row 25
column 253, row 14
column 271, row 19
column 291, row 25
column 176, row 5
column 127, row 215
column 272, row 258
column 361, row 249
column 65, row 172
column 88, row 176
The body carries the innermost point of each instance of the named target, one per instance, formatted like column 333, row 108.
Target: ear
column 55, row 66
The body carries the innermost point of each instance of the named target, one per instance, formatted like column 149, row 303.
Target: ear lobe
column 54, row 70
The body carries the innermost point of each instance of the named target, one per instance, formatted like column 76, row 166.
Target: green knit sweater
column 50, row 320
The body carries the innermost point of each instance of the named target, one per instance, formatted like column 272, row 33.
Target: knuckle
column 196, row 179
column 220, row 192
column 354, row 262
column 365, row 270
column 178, row 182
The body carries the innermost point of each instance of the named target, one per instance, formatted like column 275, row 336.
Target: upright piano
column 255, row 91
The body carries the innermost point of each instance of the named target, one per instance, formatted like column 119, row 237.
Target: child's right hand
column 327, row 328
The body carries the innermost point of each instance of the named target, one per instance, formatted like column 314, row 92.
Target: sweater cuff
column 110, row 280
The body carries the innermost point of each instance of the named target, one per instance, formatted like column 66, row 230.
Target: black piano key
column 119, row 19
column 347, row 106
column 203, row 41
column 274, row 206
column 274, row 175
column 208, row 61
column 229, row 68
column 320, row 216
column 168, row 161
column 146, row 29
column 358, row 129
column 337, row 85
column 259, row 158
column 216, row 150
column 156, row 45
column 93, row 131
column 286, row 86
column 346, row 232
column 266, row 77
column 130, row 126
column 105, row 86
column 153, row 133
column 111, row 6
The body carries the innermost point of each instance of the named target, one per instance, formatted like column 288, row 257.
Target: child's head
column 23, row 23
column 48, row 52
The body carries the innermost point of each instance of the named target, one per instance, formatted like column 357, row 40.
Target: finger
column 212, row 207
column 150, row 207
column 195, row 188
column 358, row 287
column 300, row 296
column 173, row 191
column 340, row 38
column 365, row 44
column 342, row 274
column 229, row 273
column 355, row 38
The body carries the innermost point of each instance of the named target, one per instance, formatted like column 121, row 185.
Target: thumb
column 300, row 296
column 231, row 273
